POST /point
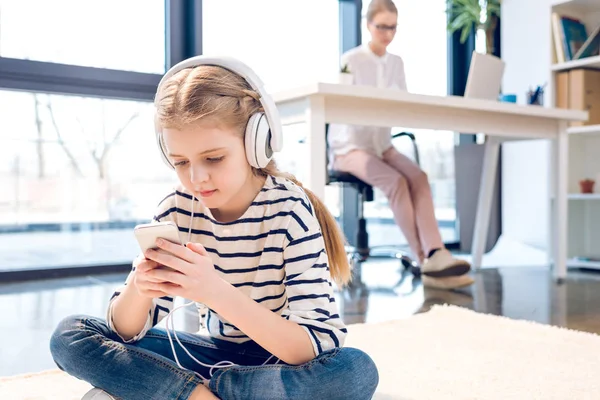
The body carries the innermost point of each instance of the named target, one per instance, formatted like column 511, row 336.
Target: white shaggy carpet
column 446, row 353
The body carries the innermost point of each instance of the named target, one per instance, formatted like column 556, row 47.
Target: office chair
column 361, row 252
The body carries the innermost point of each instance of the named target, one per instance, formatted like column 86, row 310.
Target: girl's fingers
column 150, row 286
column 150, row 275
column 152, row 279
column 169, row 260
column 167, row 275
column 147, row 265
column 197, row 248
column 154, row 293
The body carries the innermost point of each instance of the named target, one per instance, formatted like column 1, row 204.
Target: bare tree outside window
column 77, row 171
column 99, row 146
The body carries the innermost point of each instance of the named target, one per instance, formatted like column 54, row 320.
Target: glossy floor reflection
column 31, row 310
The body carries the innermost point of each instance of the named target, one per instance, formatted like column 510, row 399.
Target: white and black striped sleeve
column 162, row 306
column 308, row 283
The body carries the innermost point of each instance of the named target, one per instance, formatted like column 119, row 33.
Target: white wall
column 526, row 49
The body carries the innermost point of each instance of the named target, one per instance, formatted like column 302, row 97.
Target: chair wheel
column 415, row 270
column 410, row 265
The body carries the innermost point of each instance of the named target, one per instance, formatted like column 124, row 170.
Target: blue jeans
column 86, row 348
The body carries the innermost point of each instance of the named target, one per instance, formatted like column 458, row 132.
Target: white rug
column 446, row 353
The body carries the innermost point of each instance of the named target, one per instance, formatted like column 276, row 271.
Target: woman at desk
column 368, row 153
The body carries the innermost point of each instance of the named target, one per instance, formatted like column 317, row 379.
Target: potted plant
column 345, row 76
column 587, row 185
column 466, row 15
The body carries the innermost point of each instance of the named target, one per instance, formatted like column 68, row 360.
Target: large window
column 78, row 171
column 79, row 166
column 421, row 41
column 126, row 35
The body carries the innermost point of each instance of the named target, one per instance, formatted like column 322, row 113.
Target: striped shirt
column 274, row 254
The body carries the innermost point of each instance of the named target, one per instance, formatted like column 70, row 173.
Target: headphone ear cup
column 163, row 151
column 257, row 141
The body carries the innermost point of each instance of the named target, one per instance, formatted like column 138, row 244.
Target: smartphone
column 146, row 234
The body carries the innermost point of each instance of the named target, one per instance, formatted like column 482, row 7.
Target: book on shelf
column 558, row 41
column 591, row 47
column 570, row 36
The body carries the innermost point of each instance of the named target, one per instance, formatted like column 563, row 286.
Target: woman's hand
column 191, row 273
column 146, row 285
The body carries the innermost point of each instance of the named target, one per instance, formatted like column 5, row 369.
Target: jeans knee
column 357, row 375
column 64, row 335
column 364, row 373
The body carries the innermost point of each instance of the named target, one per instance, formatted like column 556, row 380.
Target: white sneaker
column 97, row 394
column 442, row 264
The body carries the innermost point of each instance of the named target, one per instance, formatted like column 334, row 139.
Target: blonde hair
column 217, row 95
column 377, row 6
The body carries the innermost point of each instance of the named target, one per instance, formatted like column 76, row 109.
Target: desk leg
column 560, row 169
column 315, row 140
column 484, row 203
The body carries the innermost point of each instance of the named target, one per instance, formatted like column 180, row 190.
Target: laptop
column 485, row 77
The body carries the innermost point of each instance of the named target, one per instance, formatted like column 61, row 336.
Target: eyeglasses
column 383, row 28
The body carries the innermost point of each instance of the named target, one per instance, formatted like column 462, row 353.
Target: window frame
column 183, row 39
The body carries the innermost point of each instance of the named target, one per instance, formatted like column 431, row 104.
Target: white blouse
column 367, row 68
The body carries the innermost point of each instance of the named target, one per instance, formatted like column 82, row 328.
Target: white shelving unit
column 590, row 62
column 577, row 263
column 584, row 196
column 584, row 143
column 584, row 130
column 581, row 5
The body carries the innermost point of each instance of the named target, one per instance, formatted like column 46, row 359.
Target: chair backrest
column 327, row 176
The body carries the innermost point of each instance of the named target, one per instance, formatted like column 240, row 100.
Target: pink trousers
column 408, row 192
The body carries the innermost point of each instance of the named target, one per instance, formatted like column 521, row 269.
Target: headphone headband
column 238, row 67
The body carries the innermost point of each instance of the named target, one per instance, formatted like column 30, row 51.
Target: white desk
column 320, row 103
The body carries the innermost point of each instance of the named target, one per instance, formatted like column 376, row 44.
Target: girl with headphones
column 367, row 153
column 260, row 255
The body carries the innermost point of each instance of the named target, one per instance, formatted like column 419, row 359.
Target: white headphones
column 263, row 134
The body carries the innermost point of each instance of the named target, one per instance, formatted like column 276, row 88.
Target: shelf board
column 588, row 62
column 586, row 5
column 584, row 130
column 584, row 196
column 576, row 263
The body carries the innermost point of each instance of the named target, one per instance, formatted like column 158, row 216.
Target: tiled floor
column 31, row 310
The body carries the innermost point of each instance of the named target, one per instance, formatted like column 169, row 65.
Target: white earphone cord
column 169, row 321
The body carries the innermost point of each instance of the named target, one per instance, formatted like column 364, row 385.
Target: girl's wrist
column 215, row 292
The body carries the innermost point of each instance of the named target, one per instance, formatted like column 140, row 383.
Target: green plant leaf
column 467, row 6
column 460, row 22
column 456, row 8
column 465, row 15
column 465, row 35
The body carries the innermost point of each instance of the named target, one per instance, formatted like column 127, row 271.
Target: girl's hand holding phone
column 191, row 273
column 146, row 285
